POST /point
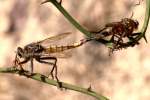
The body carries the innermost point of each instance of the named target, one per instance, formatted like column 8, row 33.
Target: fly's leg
column 29, row 73
column 31, row 66
column 137, row 34
column 42, row 60
column 24, row 61
column 116, row 42
column 133, row 37
column 17, row 62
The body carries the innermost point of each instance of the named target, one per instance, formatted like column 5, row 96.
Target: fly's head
column 20, row 52
column 130, row 23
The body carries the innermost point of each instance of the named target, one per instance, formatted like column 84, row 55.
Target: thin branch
column 69, row 17
column 44, row 79
column 146, row 21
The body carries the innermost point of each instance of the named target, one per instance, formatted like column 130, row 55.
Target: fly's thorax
column 130, row 24
column 33, row 48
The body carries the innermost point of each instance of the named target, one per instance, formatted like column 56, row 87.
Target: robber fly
column 45, row 50
column 120, row 30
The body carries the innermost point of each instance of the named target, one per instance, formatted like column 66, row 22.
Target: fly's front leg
column 42, row 60
column 18, row 62
column 31, row 66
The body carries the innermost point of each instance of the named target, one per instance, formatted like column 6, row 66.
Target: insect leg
column 54, row 67
column 22, row 62
column 136, row 34
column 16, row 61
column 31, row 66
column 120, row 40
column 42, row 60
column 116, row 43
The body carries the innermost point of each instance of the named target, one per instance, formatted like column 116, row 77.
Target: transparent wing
column 63, row 51
column 57, row 40
column 61, row 45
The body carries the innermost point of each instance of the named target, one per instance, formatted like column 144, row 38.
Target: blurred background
column 125, row 75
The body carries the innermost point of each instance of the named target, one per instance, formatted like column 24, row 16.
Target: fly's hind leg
column 42, row 60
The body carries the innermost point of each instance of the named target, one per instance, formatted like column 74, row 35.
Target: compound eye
column 20, row 52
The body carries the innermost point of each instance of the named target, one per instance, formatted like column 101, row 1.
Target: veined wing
column 62, row 51
column 55, row 40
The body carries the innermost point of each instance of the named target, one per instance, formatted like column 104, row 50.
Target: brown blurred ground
column 123, row 76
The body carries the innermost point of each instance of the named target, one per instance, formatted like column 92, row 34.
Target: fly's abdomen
column 54, row 49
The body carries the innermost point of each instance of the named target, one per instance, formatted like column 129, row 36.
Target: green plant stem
column 146, row 21
column 69, row 17
column 42, row 78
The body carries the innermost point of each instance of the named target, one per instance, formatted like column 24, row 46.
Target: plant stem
column 69, row 17
column 146, row 21
column 44, row 79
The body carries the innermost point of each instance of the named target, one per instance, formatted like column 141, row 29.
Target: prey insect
column 122, row 33
column 120, row 30
column 44, row 50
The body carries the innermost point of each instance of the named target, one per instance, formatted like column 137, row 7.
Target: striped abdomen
column 55, row 49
